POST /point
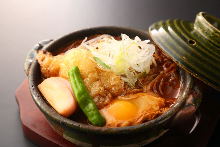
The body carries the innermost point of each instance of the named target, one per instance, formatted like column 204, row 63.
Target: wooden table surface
column 25, row 22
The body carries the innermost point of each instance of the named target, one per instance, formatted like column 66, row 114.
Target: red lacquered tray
column 37, row 129
column 34, row 124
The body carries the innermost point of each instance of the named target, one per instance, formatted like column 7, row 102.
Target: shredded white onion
column 126, row 57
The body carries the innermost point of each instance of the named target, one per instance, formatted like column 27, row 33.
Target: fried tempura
column 102, row 85
column 49, row 65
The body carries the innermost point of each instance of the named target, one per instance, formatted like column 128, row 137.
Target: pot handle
column 32, row 54
column 186, row 120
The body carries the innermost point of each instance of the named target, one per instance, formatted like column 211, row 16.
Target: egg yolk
column 123, row 110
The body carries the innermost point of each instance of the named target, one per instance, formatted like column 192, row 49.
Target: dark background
column 25, row 22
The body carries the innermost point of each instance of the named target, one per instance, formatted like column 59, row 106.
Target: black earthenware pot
column 182, row 112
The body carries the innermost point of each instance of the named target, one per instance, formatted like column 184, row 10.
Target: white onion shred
column 126, row 57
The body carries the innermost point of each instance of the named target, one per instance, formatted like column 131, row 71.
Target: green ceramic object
column 194, row 46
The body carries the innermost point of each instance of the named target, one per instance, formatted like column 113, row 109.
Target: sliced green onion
column 99, row 61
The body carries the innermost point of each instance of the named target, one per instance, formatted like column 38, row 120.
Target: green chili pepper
column 84, row 99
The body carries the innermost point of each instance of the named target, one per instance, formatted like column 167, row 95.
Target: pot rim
column 186, row 82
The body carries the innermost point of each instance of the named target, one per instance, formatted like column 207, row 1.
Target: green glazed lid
column 194, row 46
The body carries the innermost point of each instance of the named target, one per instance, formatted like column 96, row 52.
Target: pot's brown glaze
column 186, row 105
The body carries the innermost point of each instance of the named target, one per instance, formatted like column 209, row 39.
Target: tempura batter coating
column 49, row 65
column 102, row 84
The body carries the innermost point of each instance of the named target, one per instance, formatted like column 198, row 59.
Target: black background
column 25, row 22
